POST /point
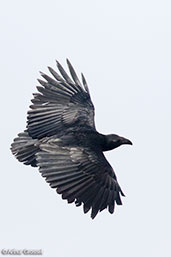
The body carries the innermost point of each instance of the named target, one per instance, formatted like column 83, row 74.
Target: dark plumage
column 62, row 141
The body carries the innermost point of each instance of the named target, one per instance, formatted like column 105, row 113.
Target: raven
column 62, row 141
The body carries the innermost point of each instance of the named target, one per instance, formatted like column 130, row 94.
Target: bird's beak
column 126, row 141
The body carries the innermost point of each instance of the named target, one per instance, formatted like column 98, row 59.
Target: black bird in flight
column 62, row 141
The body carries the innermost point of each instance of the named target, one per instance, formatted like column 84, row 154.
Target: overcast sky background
column 124, row 50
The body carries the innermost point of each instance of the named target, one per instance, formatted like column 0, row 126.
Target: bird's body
column 61, row 139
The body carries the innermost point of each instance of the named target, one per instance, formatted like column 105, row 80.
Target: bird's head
column 113, row 141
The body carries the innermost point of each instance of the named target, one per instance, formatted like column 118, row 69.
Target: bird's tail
column 24, row 148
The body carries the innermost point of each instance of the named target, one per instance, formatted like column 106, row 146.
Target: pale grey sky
column 123, row 49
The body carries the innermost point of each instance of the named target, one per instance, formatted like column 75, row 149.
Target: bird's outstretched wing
column 61, row 103
column 81, row 175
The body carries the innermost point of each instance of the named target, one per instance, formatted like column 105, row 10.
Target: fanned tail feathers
column 24, row 148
